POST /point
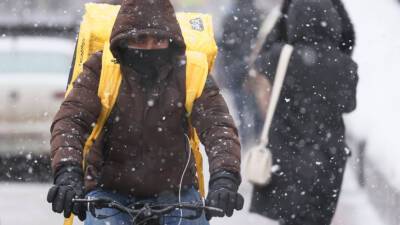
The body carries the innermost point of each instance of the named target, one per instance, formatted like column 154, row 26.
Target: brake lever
column 103, row 200
column 214, row 209
column 95, row 202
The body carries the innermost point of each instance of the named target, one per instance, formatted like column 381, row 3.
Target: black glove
column 68, row 184
column 223, row 194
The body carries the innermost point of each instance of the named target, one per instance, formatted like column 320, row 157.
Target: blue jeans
column 117, row 218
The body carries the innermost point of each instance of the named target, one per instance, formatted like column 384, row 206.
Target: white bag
column 258, row 160
column 258, row 165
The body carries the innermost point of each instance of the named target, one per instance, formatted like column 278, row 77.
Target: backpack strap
column 196, row 76
column 109, row 85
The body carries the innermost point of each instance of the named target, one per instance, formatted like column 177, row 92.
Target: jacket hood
column 348, row 34
column 348, row 39
column 311, row 21
column 146, row 17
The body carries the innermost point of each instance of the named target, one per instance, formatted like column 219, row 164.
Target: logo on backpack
column 197, row 24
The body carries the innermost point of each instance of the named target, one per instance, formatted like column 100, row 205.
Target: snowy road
column 25, row 204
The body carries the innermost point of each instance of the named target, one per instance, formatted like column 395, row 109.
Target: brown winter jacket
column 142, row 149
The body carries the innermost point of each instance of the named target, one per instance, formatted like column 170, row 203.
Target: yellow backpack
column 94, row 35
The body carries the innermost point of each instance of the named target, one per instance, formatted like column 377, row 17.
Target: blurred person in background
column 307, row 137
column 140, row 153
column 240, row 29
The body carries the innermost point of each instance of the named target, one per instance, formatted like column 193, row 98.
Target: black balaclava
column 146, row 62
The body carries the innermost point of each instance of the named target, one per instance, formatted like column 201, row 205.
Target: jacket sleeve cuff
column 224, row 174
column 71, row 168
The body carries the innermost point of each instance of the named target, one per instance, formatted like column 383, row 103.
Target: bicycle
column 145, row 213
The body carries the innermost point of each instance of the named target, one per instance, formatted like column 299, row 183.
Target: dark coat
column 307, row 133
column 142, row 149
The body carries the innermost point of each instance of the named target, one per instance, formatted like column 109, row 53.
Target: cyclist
column 141, row 154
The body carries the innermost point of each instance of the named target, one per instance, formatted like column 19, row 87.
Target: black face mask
column 146, row 62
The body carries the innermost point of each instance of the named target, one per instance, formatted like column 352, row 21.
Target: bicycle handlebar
column 147, row 208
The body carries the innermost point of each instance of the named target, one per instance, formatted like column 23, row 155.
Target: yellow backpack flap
column 198, row 33
column 201, row 51
column 95, row 31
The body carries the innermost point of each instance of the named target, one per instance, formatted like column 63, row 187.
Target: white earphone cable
column 183, row 175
